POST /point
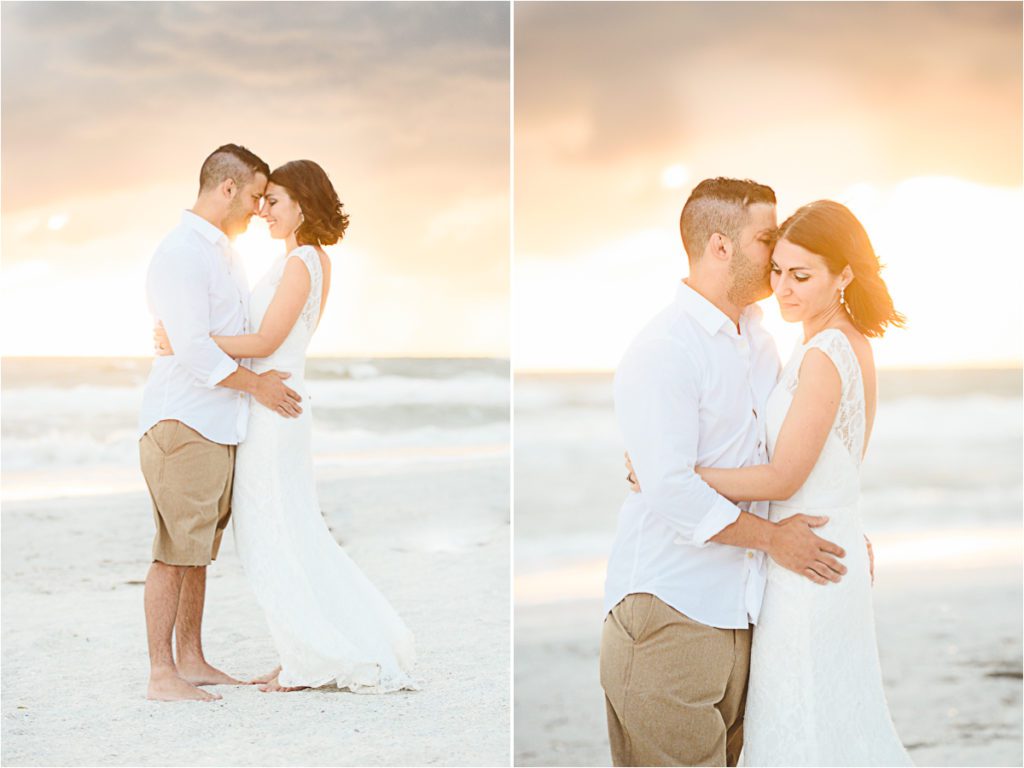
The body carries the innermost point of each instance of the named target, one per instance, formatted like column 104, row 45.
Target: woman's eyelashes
column 800, row 277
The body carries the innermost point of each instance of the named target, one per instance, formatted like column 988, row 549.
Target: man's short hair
column 230, row 161
column 718, row 205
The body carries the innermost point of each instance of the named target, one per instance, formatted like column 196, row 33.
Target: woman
column 815, row 693
column 329, row 623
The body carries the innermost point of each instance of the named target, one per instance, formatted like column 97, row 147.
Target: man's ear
column 719, row 246
column 228, row 188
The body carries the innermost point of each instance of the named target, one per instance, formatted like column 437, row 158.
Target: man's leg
column 663, row 675
column 188, row 632
column 616, row 664
column 163, row 586
column 735, row 700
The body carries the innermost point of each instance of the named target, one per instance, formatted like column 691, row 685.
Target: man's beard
column 237, row 221
column 750, row 282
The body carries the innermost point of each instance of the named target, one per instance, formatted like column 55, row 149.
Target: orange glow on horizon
column 585, row 307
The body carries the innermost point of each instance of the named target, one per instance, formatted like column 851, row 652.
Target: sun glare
column 946, row 264
column 675, row 177
column 57, row 221
column 257, row 249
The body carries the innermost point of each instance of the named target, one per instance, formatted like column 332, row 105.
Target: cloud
column 110, row 108
column 808, row 97
column 97, row 94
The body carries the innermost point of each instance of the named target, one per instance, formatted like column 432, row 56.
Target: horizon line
column 308, row 357
column 987, row 365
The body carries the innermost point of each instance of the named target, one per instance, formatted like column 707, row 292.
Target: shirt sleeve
column 657, row 403
column 179, row 293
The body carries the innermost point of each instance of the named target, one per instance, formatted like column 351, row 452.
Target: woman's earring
column 842, row 295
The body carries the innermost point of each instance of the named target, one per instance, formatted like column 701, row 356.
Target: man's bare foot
column 267, row 677
column 201, row 673
column 173, row 688
column 275, row 687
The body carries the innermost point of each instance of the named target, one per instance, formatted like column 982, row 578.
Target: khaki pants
column 189, row 479
column 674, row 688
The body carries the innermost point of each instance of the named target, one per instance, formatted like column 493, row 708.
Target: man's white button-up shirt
column 196, row 287
column 691, row 391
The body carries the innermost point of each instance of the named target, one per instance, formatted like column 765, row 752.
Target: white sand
column 949, row 640
column 433, row 535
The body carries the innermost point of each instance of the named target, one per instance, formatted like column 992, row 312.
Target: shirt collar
column 203, row 227
column 711, row 318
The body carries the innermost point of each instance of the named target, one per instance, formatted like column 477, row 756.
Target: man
column 686, row 573
column 195, row 411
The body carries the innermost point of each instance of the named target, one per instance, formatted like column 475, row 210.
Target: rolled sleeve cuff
column 224, row 368
column 721, row 515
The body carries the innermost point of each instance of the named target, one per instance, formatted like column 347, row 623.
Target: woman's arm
column 284, row 310
column 800, row 441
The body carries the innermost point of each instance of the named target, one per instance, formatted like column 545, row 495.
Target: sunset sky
column 910, row 113
column 110, row 108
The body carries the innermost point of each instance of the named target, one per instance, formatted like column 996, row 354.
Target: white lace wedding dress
column 815, row 695
column 328, row 622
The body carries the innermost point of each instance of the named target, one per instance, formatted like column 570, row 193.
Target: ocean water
column 70, row 423
column 945, row 458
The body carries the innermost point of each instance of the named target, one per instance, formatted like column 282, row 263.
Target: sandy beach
column 431, row 531
column 941, row 502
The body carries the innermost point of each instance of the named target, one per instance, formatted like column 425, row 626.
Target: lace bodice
column 850, row 421
column 291, row 355
column 835, row 479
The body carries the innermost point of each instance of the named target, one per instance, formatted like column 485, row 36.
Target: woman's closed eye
column 800, row 277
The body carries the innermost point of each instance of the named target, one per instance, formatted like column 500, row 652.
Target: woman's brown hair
column 834, row 233
column 324, row 220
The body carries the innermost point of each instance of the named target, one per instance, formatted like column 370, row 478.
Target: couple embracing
column 745, row 510
column 223, row 437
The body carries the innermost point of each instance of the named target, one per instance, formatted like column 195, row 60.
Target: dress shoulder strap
column 850, row 421
column 311, row 258
column 834, row 343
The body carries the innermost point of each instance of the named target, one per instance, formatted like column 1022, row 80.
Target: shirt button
column 750, row 554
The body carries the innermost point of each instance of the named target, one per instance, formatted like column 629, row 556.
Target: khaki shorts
column 675, row 689
column 189, row 479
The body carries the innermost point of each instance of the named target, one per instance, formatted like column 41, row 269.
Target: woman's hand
column 161, row 344
column 634, row 484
